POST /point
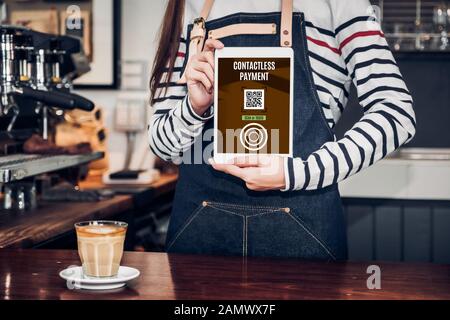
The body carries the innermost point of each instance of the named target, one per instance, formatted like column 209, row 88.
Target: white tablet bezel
column 252, row 52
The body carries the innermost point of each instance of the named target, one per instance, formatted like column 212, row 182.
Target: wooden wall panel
column 411, row 231
column 417, row 234
column 441, row 235
column 360, row 232
column 388, row 233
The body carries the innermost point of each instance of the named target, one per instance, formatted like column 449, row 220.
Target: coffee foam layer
column 99, row 231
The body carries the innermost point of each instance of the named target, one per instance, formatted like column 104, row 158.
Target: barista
column 273, row 206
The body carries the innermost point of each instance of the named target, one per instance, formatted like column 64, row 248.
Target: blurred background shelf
column 415, row 25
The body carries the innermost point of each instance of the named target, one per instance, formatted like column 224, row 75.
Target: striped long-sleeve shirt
column 345, row 45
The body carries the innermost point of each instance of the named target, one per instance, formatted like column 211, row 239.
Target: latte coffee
column 100, row 246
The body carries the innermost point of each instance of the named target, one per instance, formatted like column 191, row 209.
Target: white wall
column 141, row 20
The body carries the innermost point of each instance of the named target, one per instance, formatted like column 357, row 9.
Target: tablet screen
column 253, row 105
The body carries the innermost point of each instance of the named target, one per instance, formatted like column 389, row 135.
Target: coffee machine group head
column 38, row 67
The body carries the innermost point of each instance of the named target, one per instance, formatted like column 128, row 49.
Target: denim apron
column 214, row 213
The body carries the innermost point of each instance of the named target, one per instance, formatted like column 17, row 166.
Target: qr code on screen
column 254, row 99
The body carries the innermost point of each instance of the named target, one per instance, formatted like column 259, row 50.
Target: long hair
column 169, row 41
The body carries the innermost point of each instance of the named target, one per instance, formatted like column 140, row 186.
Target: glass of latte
column 100, row 246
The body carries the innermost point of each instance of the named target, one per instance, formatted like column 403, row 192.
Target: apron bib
column 214, row 213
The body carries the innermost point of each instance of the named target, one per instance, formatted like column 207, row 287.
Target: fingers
column 198, row 76
column 202, row 63
column 247, row 161
column 250, row 175
column 244, row 173
column 229, row 169
column 257, row 171
column 212, row 44
column 201, row 66
column 207, row 56
column 251, row 161
column 205, row 68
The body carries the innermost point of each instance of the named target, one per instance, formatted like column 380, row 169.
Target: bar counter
column 53, row 219
column 33, row 274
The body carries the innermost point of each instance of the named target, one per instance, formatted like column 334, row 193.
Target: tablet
column 253, row 102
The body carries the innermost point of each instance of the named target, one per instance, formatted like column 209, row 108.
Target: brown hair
column 169, row 41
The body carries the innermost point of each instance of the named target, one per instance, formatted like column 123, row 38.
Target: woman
column 277, row 207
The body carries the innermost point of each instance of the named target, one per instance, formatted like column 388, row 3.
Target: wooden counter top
column 33, row 274
column 23, row 230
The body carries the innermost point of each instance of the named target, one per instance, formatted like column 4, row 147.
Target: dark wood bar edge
column 27, row 229
column 33, row 274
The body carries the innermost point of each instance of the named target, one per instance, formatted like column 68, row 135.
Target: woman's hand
column 200, row 77
column 260, row 172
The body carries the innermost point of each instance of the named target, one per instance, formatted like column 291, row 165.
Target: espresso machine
column 36, row 79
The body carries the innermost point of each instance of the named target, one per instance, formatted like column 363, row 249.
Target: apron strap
column 286, row 23
column 207, row 6
column 198, row 32
column 286, row 20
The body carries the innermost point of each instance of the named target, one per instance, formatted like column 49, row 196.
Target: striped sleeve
column 174, row 126
column 388, row 121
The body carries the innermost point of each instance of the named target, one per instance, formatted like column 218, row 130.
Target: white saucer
column 76, row 280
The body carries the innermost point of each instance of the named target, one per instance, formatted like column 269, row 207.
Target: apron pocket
column 283, row 234
column 210, row 231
